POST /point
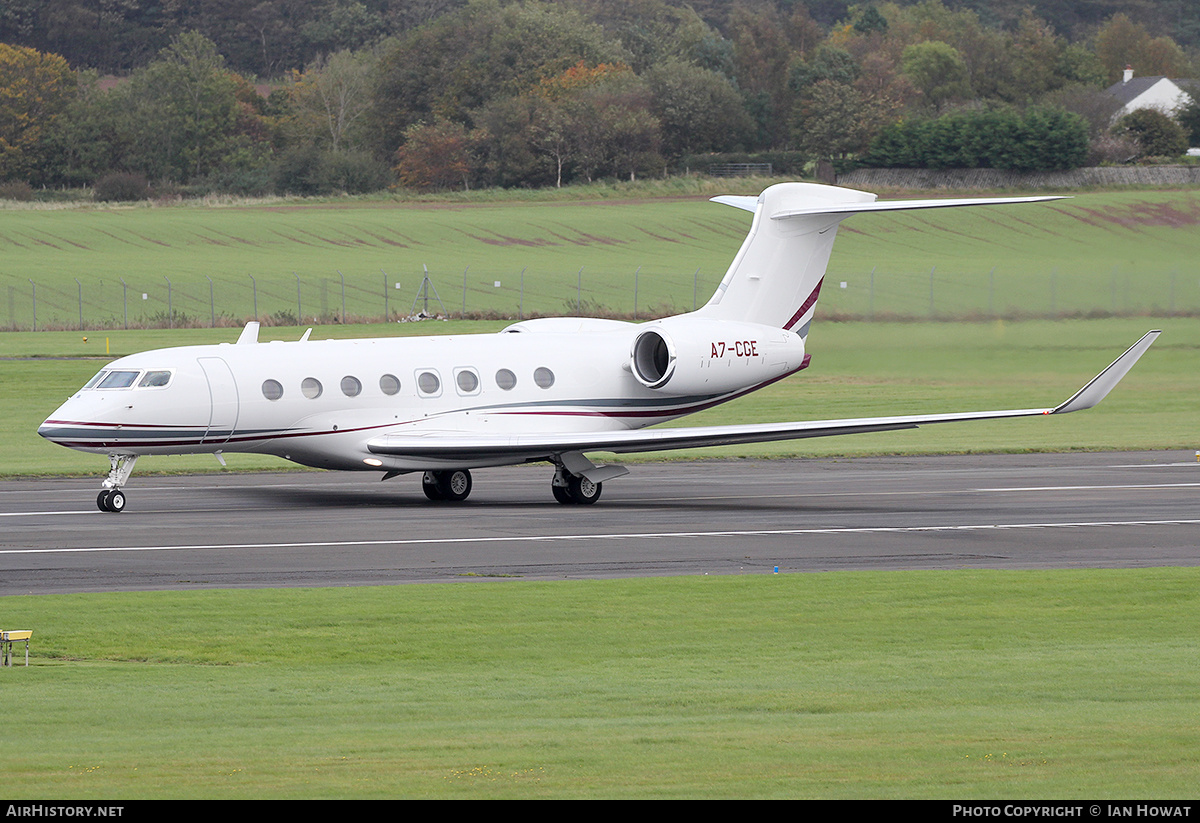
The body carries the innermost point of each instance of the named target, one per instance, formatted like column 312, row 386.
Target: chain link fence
column 938, row 293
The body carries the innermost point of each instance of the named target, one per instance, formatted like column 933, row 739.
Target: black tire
column 455, row 485
column 116, row 501
column 582, row 490
column 561, row 494
column 431, row 487
column 102, row 500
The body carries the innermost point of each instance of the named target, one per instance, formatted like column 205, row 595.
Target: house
column 1161, row 93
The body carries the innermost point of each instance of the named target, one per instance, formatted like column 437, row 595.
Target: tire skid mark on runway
column 550, row 538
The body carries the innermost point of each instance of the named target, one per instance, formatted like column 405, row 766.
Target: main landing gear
column 453, row 485
column 111, row 498
column 571, row 488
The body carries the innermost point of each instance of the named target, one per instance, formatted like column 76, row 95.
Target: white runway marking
column 613, row 536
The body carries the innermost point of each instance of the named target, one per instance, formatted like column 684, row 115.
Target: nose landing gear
column 111, row 498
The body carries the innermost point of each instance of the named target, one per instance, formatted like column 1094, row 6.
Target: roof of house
column 1131, row 89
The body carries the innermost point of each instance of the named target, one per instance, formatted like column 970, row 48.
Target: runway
column 715, row 517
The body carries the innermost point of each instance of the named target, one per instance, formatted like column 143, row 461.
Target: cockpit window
column 154, row 379
column 95, row 379
column 118, row 380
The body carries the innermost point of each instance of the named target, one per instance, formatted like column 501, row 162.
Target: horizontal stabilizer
column 906, row 205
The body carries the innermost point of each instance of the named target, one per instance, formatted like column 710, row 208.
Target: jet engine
column 688, row 355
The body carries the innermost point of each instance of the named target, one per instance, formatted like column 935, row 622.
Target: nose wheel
column 111, row 500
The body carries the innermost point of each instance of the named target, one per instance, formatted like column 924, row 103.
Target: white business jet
column 549, row 390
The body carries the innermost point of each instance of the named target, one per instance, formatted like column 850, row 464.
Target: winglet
column 1105, row 381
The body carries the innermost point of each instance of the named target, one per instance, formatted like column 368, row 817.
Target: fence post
column 170, row 311
column 463, row 316
column 254, row 287
column 34, row 303
column 339, row 271
column 79, row 286
column 521, row 304
column 299, row 308
column 212, row 307
column 635, row 290
column 124, row 301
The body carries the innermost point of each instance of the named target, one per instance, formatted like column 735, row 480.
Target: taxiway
column 713, row 517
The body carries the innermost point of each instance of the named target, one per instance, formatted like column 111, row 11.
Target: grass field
column 1098, row 253
column 958, row 684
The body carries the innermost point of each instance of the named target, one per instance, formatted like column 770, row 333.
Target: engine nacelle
column 691, row 355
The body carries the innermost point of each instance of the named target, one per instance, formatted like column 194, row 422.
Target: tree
column 35, row 89
column 332, row 96
column 833, row 121
column 188, row 108
column 462, row 61
column 699, row 110
column 435, row 156
column 938, row 70
column 1189, row 117
column 1122, row 42
column 871, row 21
column 1156, row 134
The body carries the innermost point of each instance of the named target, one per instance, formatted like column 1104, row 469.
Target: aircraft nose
column 54, row 427
column 51, row 429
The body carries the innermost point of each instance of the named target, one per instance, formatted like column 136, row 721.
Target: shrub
column 16, row 190
column 1042, row 139
column 1156, row 134
column 122, row 186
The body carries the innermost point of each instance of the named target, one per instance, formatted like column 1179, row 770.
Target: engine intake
column 653, row 359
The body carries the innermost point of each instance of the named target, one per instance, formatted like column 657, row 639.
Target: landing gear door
column 223, row 393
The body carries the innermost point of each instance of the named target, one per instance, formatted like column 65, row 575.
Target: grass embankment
column 1100, row 253
column 964, row 685
column 858, row 370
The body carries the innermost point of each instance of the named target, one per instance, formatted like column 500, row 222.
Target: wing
column 528, row 447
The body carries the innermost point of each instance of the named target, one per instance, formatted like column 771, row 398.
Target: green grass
column 962, row 684
column 1123, row 252
column 858, row 369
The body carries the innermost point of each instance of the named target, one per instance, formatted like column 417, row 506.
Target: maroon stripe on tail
column 808, row 304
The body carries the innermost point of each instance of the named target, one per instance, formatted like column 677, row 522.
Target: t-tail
column 776, row 277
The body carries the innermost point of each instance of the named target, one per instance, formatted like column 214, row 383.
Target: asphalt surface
column 719, row 517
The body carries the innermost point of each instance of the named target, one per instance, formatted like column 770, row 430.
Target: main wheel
column 431, row 487
column 561, row 494
column 582, row 490
column 455, row 485
column 102, row 500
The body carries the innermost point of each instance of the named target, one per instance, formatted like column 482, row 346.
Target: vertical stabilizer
column 776, row 277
